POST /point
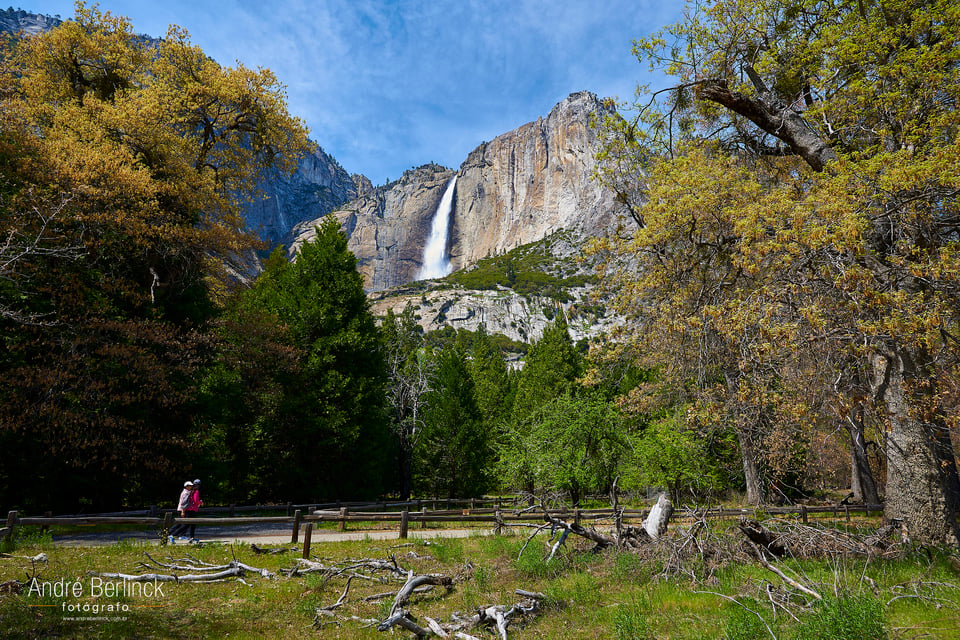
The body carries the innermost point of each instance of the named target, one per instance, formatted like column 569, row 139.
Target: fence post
column 846, row 510
column 11, row 521
column 296, row 527
column 404, row 523
column 167, row 523
column 576, row 517
column 343, row 518
column 289, row 509
column 307, row 536
column 233, row 510
column 497, row 520
column 45, row 528
column 423, row 521
column 803, row 513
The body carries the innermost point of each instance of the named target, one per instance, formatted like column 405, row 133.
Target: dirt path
column 260, row 534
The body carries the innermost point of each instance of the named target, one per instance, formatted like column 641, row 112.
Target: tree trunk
column 751, row 468
column 406, row 472
column 921, row 476
column 863, row 485
column 748, row 452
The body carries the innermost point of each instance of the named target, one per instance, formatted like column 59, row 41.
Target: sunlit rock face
column 17, row 21
column 519, row 188
column 388, row 226
column 532, row 181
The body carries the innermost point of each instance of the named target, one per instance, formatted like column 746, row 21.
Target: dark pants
column 181, row 529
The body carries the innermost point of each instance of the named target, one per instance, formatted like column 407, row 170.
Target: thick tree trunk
column 863, row 485
column 921, row 473
column 751, row 468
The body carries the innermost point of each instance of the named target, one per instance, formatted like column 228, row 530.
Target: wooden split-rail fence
column 500, row 516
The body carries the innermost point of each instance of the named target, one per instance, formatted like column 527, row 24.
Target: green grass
column 607, row 595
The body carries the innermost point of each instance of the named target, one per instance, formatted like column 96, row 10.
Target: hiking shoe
column 194, row 541
column 185, row 538
column 172, row 540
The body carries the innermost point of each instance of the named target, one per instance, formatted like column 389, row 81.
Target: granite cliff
column 528, row 183
column 318, row 186
column 517, row 294
column 516, row 189
column 387, row 226
column 14, row 21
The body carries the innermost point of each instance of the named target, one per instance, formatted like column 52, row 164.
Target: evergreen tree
column 326, row 434
column 454, row 454
column 550, row 370
column 493, row 385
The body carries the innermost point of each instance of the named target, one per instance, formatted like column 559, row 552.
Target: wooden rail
column 497, row 517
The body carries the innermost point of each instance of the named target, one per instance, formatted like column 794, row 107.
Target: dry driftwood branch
column 349, row 568
column 414, row 581
column 793, row 583
column 497, row 617
column 393, row 594
column 234, row 572
column 602, row 541
column 405, row 620
column 208, row 574
column 341, row 599
column 539, row 528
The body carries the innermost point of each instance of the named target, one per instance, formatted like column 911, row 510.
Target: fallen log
column 208, row 574
column 762, row 537
column 405, row 620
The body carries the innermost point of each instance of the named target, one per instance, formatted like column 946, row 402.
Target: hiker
column 182, row 507
column 193, row 508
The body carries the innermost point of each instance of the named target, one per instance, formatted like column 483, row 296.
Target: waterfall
column 436, row 262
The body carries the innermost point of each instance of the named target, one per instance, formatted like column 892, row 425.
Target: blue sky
column 388, row 85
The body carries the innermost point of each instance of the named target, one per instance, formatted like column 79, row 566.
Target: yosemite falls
column 436, row 260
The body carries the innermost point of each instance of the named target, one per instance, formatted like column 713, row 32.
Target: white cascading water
column 436, row 262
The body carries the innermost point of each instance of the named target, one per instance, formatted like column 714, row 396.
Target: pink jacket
column 195, row 501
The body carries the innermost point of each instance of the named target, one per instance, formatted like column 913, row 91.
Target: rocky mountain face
column 532, row 181
column 387, row 226
column 14, row 21
column 520, row 187
column 556, row 282
column 318, row 186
